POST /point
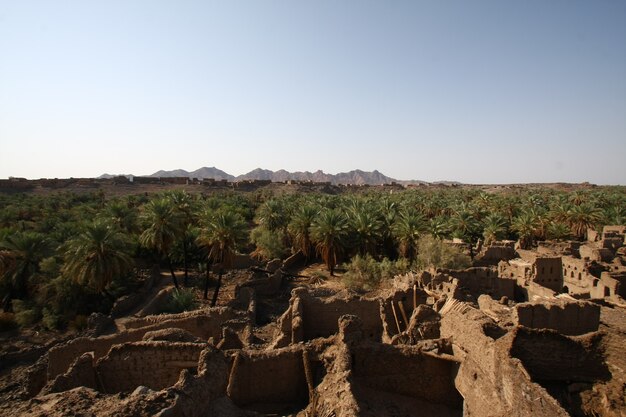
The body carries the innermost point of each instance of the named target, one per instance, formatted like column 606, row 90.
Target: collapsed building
column 500, row 339
column 593, row 270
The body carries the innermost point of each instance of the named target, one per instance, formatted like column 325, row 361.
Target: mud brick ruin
column 519, row 335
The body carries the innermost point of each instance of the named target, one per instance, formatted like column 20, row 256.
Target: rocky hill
column 357, row 176
column 204, row 172
column 352, row 177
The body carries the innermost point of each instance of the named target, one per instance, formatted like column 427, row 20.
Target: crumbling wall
column 203, row 324
column 80, row 374
column 320, row 316
column 553, row 248
column 565, row 316
column 549, row 356
column 593, row 252
column 611, row 285
column 156, row 365
column 406, row 370
column 309, row 317
column 403, row 304
column 491, row 383
column 548, row 272
column 268, row 377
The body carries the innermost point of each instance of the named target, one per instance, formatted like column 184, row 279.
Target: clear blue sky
column 474, row 91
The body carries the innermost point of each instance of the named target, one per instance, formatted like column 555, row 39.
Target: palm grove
column 64, row 256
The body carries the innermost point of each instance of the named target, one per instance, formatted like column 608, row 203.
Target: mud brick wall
column 320, row 316
column 156, row 365
column 490, row 381
column 62, row 356
column 566, row 317
column 406, row 371
column 549, row 356
column 268, row 377
column 204, row 324
column 81, row 373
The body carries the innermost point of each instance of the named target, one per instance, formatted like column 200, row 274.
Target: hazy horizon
column 481, row 92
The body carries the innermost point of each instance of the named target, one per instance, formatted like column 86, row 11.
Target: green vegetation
column 64, row 256
column 364, row 273
column 183, row 299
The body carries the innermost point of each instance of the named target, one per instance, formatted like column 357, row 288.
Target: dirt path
column 164, row 281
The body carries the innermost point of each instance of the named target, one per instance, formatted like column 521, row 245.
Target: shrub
column 433, row 252
column 269, row 244
column 26, row 315
column 183, row 299
column 50, row 320
column 366, row 274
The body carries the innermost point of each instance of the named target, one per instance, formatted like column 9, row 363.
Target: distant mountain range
column 357, row 176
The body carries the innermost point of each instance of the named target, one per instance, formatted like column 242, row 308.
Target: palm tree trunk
column 206, row 280
column 186, row 280
column 217, row 289
column 169, row 262
column 6, row 302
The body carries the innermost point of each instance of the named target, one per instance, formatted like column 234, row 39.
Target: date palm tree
column 273, row 215
column 329, row 232
column 525, row 225
column 438, row 227
column 558, row 231
column 122, row 215
column 494, row 228
column 406, row 230
column 20, row 254
column 581, row 217
column 367, row 229
column 464, row 225
column 97, row 256
column 165, row 227
column 299, row 229
column 220, row 233
column 184, row 204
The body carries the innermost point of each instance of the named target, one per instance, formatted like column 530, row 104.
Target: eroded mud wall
column 268, row 377
column 156, row 365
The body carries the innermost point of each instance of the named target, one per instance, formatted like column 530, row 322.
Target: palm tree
column 581, row 217
column 220, row 233
column 525, row 225
column 298, row 229
column 464, row 225
column 406, row 230
column 122, row 215
column 165, row 227
column 558, row 231
column 559, row 211
column 329, row 232
column 494, row 228
column 273, row 215
column 20, row 254
column 542, row 222
column 367, row 229
column 438, row 227
column 577, row 198
column 615, row 215
column 184, row 205
column 97, row 256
